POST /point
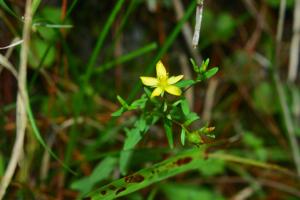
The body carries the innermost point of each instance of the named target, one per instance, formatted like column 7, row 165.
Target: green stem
column 126, row 57
column 100, row 42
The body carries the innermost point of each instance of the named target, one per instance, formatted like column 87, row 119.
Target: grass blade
column 100, row 41
column 126, row 57
column 185, row 161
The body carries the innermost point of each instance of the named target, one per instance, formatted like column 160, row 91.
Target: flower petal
column 174, row 79
column 156, row 92
column 149, row 81
column 161, row 70
column 173, row 90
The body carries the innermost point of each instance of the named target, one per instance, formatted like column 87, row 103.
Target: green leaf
column 185, row 83
column 133, row 136
column 48, row 15
column 189, row 192
column 118, row 112
column 251, row 140
column 38, row 49
column 141, row 124
column 194, row 138
column 195, row 66
column 185, row 107
column 147, row 91
column 182, row 162
column 176, row 102
column 225, row 26
column 169, row 133
column 212, row 167
column 35, row 5
column 211, row 72
column 122, row 102
column 7, row 8
column 191, row 118
column 204, row 65
column 165, row 107
column 101, row 172
column 139, row 103
column 182, row 136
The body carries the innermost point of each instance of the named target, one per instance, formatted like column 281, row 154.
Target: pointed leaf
column 204, row 65
column 185, row 83
column 185, row 107
column 211, row 72
column 118, row 112
column 195, row 66
column 122, row 102
column 101, row 171
column 169, row 134
column 182, row 137
column 191, row 118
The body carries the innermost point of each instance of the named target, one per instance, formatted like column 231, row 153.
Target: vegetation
column 146, row 99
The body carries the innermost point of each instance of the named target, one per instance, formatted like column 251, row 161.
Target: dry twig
column 21, row 119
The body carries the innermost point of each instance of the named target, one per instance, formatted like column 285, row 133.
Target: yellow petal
column 174, row 79
column 160, row 70
column 156, row 92
column 149, row 81
column 173, row 90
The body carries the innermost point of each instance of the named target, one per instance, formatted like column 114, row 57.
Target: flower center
column 163, row 81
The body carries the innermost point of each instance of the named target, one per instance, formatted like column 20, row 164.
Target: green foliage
column 182, row 136
column 181, row 162
column 188, row 192
column 264, row 98
column 256, row 146
column 75, row 73
column 169, row 133
column 276, row 3
column 2, row 164
column 212, row 167
column 167, row 111
column 217, row 27
column 39, row 49
column 8, row 9
column 101, row 172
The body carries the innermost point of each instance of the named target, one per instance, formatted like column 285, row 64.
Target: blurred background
column 84, row 53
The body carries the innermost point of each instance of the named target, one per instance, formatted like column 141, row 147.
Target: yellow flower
column 162, row 82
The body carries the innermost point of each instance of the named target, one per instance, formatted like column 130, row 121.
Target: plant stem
column 280, row 91
column 294, row 52
column 21, row 118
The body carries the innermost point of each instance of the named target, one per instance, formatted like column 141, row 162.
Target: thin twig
column 209, row 99
column 295, row 44
column 189, row 94
column 186, row 30
column 243, row 194
column 21, row 119
column 199, row 13
column 279, row 32
column 13, row 44
column 288, row 122
column 4, row 62
column 7, row 64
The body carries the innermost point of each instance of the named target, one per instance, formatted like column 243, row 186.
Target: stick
column 199, row 13
column 21, row 119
